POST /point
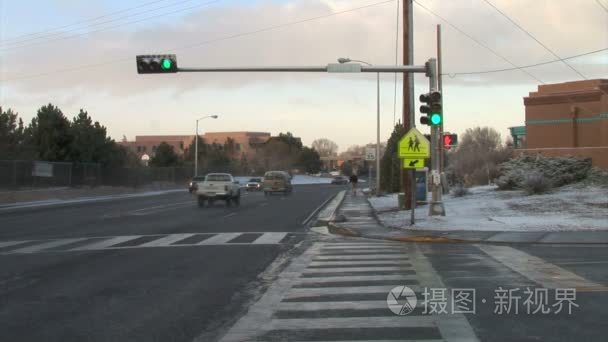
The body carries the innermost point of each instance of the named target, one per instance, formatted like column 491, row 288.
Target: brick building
column 245, row 142
column 569, row 119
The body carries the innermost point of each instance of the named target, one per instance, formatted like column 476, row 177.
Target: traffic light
column 156, row 64
column 450, row 140
column 432, row 109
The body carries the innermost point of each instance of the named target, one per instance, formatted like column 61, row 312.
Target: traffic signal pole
column 436, row 207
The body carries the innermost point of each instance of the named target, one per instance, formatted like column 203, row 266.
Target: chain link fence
column 28, row 174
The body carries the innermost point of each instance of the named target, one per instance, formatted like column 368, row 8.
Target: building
column 568, row 119
column 245, row 142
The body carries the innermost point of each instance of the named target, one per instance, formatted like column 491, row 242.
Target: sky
column 81, row 54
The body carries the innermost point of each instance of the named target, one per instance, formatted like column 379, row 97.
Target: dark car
column 192, row 186
column 339, row 180
column 254, row 184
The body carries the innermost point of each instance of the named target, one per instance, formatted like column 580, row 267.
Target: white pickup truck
column 218, row 186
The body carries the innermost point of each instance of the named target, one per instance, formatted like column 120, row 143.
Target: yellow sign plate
column 413, row 163
column 414, row 145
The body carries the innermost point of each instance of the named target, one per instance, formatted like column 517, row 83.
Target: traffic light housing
column 450, row 140
column 156, row 64
column 432, row 108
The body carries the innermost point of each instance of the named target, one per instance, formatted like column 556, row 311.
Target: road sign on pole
column 414, row 145
column 413, row 163
column 370, row 154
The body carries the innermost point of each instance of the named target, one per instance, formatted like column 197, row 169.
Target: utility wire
column 114, row 26
column 396, row 63
column 533, row 37
column 454, row 74
column 49, row 30
column 477, row 41
column 602, row 5
column 210, row 41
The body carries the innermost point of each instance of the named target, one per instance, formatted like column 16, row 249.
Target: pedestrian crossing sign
column 414, row 145
column 413, row 163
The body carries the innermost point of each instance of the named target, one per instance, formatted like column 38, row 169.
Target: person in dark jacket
column 353, row 181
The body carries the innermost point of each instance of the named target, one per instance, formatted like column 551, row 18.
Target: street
column 159, row 268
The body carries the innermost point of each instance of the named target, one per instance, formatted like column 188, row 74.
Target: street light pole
column 346, row 60
column 196, row 142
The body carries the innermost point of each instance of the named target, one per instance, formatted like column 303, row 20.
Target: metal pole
column 377, row 133
column 196, row 151
column 413, row 211
column 439, row 81
column 408, row 97
column 436, row 206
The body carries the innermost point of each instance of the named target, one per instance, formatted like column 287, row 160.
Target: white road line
column 296, row 292
column 387, row 247
column 46, row 245
column 379, row 244
column 582, row 262
column 106, row 243
column 356, row 269
column 167, row 240
column 396, row 277
column 228, row 215
column 219, row 238
column 352, row 322
column 358, row 305
column 269, row 238
column 536, row 269
column 359, row 262
column 12, row 243
column 344, row 251
column 360, row 257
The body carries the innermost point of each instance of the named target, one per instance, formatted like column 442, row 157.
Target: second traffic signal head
column 432, row 109
column 156, row 64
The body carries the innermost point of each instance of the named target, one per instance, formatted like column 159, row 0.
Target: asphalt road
column 162, row 269
column 78, row 288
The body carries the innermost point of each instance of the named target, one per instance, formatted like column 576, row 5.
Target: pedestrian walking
column 353, row 181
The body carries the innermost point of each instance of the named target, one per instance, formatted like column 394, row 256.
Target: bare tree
column 325, row 147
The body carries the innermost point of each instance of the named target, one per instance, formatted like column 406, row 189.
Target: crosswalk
column 144, row 241
column 337, row 291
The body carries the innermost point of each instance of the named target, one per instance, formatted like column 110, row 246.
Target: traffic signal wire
column 534, row 38
column 478, row 42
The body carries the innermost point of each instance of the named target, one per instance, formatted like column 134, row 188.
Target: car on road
column 340, row 180
column 218, row 186
column 277, row 181
column 192, row 186
column 254, row 184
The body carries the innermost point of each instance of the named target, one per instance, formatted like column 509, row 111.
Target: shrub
column 460, row 191
column 536, row 183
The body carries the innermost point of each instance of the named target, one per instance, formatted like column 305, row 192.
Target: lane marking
column 46, row 245
column 319, row 280
column 220, row 238
column 12, row 243
column 297, row 292
column 359, row 262
column 362, row 257
column 358, row 305
column 356, row 269
column 167, row 240
column 163, row 206
column 106, row 243
column 352, row 322
column 228, row 215
column 269, row 238
column 364, row 248
column 536, row 269
column 582, row 262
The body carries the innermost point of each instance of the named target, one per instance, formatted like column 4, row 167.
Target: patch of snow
column 568, row 208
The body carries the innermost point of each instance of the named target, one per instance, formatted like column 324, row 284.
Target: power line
column 477, row 41
column 114, row 26
column 79, row 22
column 602, row 5
column 454, row 74
column 533, row 37
column 210, row 41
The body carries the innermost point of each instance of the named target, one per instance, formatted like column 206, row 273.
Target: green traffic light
column 166, row 64
column 436, row 119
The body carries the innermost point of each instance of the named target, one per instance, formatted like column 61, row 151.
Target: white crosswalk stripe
column 45, row 245
column 148, row 241
column 318, row 291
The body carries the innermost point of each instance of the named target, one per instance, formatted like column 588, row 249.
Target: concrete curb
column 326, row 215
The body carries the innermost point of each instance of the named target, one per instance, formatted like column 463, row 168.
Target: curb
column 327, row 213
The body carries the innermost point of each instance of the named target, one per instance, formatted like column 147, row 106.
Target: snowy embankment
column 569, row 208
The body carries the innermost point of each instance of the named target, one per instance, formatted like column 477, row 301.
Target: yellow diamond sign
column 414, row 145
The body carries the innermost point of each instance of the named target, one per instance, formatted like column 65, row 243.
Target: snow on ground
column 296, row 180
column 568, row 208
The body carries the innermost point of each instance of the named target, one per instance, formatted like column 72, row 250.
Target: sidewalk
column 360, row 220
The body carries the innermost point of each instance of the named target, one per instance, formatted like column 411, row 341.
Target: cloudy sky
column 81, row 54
